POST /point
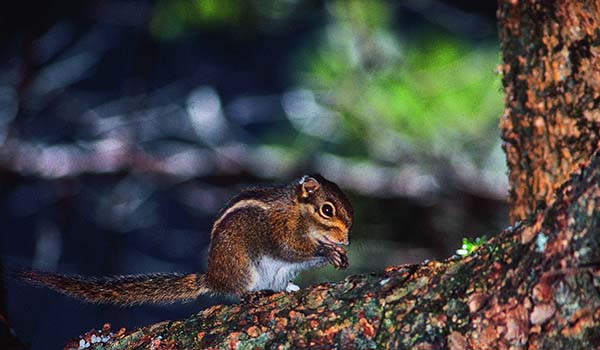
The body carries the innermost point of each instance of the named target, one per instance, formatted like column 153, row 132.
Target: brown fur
column 123, row 290
column 283, row 223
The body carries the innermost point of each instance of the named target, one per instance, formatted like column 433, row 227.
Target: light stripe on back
column 244, row 203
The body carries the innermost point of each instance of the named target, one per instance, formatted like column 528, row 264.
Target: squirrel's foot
column 252, row 297
column 291, row 287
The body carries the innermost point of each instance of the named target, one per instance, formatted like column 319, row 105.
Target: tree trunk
column 551, row 78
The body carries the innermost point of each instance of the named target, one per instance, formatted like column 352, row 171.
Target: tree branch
column 535, row 285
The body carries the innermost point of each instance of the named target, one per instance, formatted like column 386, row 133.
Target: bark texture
column 551, row 78
column 534, row 286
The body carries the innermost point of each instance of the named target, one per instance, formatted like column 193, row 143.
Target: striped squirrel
column 260, row 240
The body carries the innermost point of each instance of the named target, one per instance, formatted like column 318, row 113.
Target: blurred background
column 126, row 125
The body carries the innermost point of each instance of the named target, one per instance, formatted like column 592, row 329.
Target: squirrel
column 259, row 241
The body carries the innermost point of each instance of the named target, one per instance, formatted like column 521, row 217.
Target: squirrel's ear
column 308, row 186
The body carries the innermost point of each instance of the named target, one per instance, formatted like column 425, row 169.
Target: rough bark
column 534, row 286
column 551, row 78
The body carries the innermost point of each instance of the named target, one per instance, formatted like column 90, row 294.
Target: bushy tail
column 160, row 288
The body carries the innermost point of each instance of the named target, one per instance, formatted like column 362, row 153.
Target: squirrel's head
column 326, row 210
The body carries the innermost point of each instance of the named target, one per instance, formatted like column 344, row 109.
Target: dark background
column 125, row 125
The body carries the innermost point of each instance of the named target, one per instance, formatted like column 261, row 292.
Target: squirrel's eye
column 327, row 210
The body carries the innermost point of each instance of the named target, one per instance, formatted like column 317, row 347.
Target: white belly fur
column 274, row 274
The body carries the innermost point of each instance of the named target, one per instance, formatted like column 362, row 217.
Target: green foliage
column 367, row 91
column 469, row 245
column 434, row 91
column 172, row 19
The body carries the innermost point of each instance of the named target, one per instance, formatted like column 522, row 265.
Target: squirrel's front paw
column 337, row 257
